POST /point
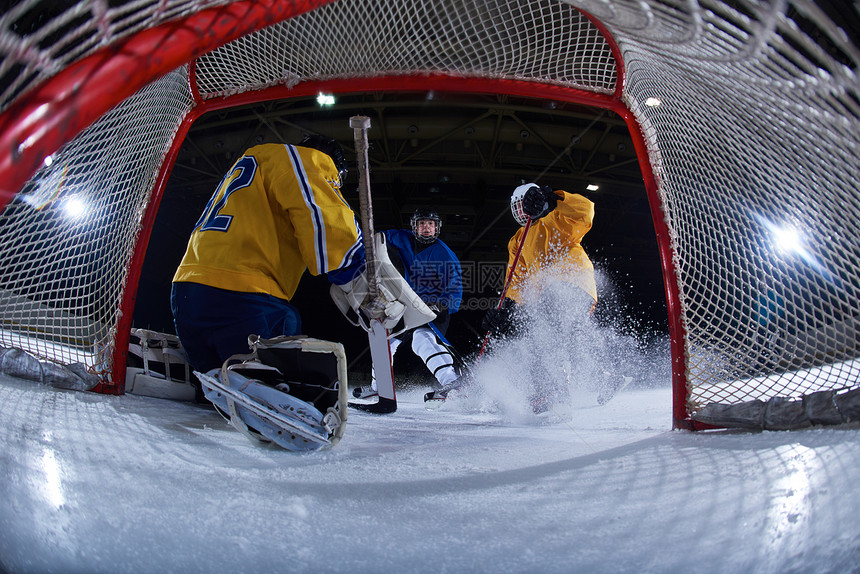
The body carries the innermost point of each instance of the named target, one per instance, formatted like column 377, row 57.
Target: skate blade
column 433, row 401
column 381, row 407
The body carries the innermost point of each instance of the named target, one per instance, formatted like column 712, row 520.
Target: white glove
column 401, row 308
column 353, row 296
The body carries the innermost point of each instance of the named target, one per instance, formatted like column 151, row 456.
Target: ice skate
column 364, row 392
column 436, row 398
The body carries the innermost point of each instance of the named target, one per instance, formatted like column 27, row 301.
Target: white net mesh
column 756, row 140
column 38, row 38
column 544, row 41
column 67, row 239
column 753, row 142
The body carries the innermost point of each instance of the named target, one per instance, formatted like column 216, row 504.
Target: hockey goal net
column 745, row 116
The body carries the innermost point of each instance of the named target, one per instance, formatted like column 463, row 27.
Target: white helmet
column 517, row 202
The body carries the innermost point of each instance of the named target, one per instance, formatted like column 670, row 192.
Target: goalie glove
column 501, row 319
column 539, row 201
column 401, row 309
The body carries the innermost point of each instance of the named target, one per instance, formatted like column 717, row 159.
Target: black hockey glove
column 501, row 319
column 538, row 201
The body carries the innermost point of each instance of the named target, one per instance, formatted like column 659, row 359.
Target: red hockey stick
column 507, row 283
column 434, row 399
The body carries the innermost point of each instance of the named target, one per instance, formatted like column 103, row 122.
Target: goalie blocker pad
column 291, row 391
column 404, row 309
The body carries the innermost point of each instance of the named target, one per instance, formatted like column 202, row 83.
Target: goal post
column 745, row 119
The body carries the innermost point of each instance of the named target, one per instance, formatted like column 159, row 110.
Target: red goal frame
column 41, row 121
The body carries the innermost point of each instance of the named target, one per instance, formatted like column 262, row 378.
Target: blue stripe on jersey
column 337, row 192
column 350, row 255
column 316, row 213
column 352, row 251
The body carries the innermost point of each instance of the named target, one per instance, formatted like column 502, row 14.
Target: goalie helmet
column 329, row 147
column 517, row 203
column 424, row 215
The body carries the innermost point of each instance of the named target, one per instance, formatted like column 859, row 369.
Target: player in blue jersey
column 434, row 273
column 277, row 213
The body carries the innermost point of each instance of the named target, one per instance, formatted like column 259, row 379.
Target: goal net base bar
column 821, row 408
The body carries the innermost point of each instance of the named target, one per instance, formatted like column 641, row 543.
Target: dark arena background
column 459, row 154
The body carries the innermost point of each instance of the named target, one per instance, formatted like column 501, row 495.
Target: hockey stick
column 438, row 397
column 380, row 350
column 507, row 283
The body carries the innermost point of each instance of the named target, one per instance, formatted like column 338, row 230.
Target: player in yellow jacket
column 552, row 248
column 552, row 252
column 553, row 281
column 277, row 213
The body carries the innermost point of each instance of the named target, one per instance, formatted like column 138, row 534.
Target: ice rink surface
column 94, row 483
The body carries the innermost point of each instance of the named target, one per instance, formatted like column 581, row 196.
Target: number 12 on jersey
column 239, row 177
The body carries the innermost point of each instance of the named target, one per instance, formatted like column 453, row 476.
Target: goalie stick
column 377, row 335
column 434, row 399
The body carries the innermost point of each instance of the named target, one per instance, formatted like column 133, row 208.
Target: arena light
column 789, row 241
column 592, row 187
column 785, row 239
column 325, row 99
column 74, row 207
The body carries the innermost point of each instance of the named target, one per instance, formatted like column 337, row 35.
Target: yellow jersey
column 277, row 212
column 552, row 248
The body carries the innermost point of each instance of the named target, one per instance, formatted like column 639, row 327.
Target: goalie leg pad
column 265, row 413
column 289, row 390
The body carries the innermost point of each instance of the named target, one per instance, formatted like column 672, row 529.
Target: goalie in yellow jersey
column 277, row 213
